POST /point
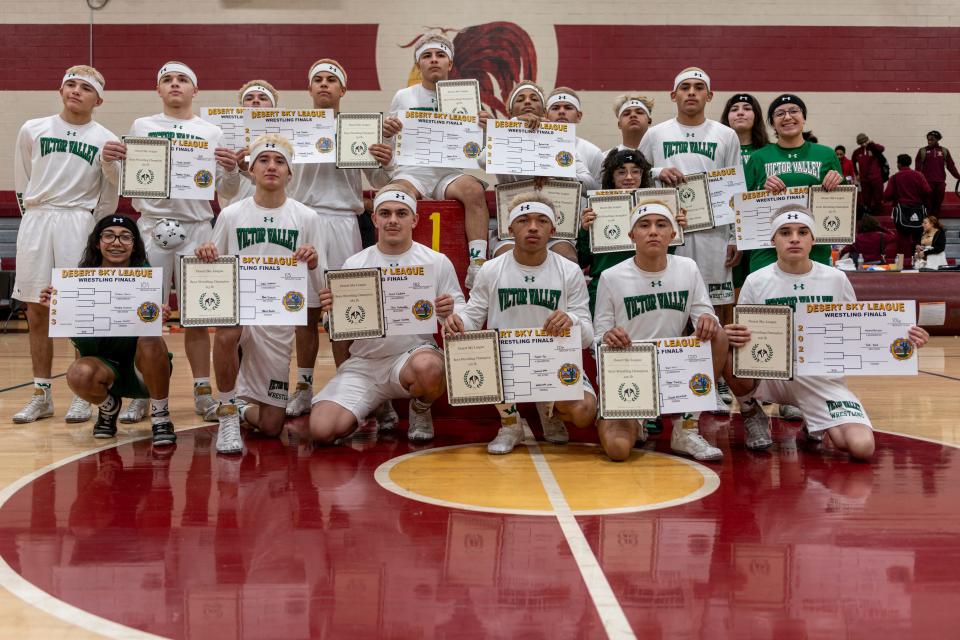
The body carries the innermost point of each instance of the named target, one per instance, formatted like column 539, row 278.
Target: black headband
column 786, row 98
column 117, row 221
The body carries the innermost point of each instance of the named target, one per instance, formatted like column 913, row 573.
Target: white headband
column 257, row 87
column 395, row 196
column 271, row 146
column 563, row 97
column 691, row 74
column 176, row 67
column 329, row 68
column 797, row 216
column 433, row 44
column 653, row 209
column 520, row 87
column 532, row 207
column 90, row 80
column 630, row 104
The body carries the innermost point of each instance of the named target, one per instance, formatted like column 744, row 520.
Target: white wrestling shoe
column 300, row 402
column 790, row 412
column 756, row 425
column 387, row 417
column 421, row 425
column 79, row 411
column 203, row 401
column 135, row 411
column 553, row 428
column 229, row 440
column 39, row 406
column 507, row 438
column 691, row 443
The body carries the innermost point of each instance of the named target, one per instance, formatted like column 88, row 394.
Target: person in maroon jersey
column 866, row 164
column 933, row 161
column 908, row 190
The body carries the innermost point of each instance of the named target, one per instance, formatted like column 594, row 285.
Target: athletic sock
column 477, row 250
column 691, row 421
column 419, row 405
column 159, row 411
column 201, row 382
column 43, row 383
column 305, row 377
column 508, row 413
column 110, row 406
column 228, row 397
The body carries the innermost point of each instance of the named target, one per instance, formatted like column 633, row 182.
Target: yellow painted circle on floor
column 467, row 477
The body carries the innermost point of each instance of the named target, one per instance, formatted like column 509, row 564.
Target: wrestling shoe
column 203, row 400
column 39, row 406
column 553, row 428
column 229, row 439
column 301, row 400
column 756, row 426
column 421, row 425
column 136, row 411
column 691, row 443
column 507, row 438
column 79, row 411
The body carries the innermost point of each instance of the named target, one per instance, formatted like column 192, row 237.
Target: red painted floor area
column 290, row 542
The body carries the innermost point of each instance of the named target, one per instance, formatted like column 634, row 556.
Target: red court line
column 761, row 58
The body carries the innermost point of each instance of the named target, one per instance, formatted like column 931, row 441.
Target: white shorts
column 265, row 368
column 341, row 237
column 429, row 182
column 169, row 259
column 825, row 402
column 48, row 238
column 708, row 249
column 362, row 384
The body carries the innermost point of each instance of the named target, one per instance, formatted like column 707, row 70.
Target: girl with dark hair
column 622, row 169
column 113, row 368
column 742, row 113
column 792, row 162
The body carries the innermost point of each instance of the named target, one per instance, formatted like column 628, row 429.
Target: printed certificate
column 107, row 302
column 611, row 192
column 769, row 354
column 193, row 170
column 145, row 171
column 609, row 230
column 856, row 338
column 694, row 196
column 473, row 368
column 664, row 195
column 835, row 214
column 539, row 367
column 627, row 381
column 408, row 300
column 565, row 195
column 207, row 292
column 231, row 123
column 548, row 150
column 685, row 374
column 725, row 184
column 459, row 97
column 755, row 211
column 310, row 131
column 355, row 133
column 357, row 311
column 430, row 139
column 273, row 290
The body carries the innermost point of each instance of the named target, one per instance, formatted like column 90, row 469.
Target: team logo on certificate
column 324, row 145
column 148, row 312
column 355, row 314
column 901, row 349
column 359, row 148
column 831, row 223
column 569, row 374
column 203, row 179
column 145, row 176
column 471, row 149
column 686, row 194
column 473, row 378
column 209, row 301
column 611, row 231
column 564, row 158
column 700, row 384
column 422, row 309
column 293, row 301
column 762, row 352
column 628, row 392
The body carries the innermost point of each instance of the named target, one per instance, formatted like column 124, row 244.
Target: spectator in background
column 866, row 164
column 908, row 190
column 874, row 243
column 934, row 242
column 846, row 164
column 933, row 161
